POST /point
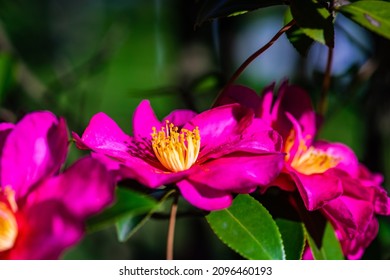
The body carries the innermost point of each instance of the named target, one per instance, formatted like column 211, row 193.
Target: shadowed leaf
column 330, row 248
column 212, row 9
column 314, row 20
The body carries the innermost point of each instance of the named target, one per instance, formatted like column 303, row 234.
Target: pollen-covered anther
column 176, row 151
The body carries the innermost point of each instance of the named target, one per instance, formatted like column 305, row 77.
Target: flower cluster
column 245, row 143
column 327, row 176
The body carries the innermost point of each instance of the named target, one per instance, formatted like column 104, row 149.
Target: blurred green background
column 77, row 58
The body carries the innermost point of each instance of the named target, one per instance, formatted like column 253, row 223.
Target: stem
column 171, row 228
column 323, row 104
column 255, row 55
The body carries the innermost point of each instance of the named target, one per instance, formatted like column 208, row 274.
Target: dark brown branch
column 323, row 103
column 254, row 56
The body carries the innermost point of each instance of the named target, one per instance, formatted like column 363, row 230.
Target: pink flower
column 208, row 156
column 42, row 211
column 327, row 175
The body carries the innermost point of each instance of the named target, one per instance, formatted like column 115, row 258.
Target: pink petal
column 149, row 175
column 35, row 149
column 317, row 190
column 376, row 195
column 260, row 136
column 368, row 178
column 297, row 140
column 5, row 129
column 144, row 119
column 84, row 189
column 354, row 248
column 220, row 125
column 204, row 197
column 239, row 94
column 295, row 101
column 348, row 215
column 266, row 105
column 257, row 138
column 46, row 230
column 179, row 117
column 239, row 171
column 104, row 135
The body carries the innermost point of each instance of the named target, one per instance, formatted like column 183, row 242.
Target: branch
column 254, row 56
column 171, row 228
column 323, row 103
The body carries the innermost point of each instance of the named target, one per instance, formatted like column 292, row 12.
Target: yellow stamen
column 177, row 151
column 8, row 224
column 309, row 160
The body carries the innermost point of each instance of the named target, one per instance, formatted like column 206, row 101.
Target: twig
column 323, row 103
column 171, row 228
column 255, row 55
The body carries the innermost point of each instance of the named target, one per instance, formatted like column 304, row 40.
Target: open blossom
column 208, row 156
column 42, row 211
column 328, row 176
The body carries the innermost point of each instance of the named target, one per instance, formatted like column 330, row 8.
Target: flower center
column 177, row 151
column 309, row 160
column 8, row 224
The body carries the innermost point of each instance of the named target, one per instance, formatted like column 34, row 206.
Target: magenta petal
column 354, row 248
column 34, row 149
column 5, row 129
column 47, row 230
column 179, row 117
column 373, row 194
column 367, row 178
column 318, row 189
column 144, row 119
column 381, row 201
column 149, row 175
column 104, row 135
column 203, row 197
column 262, row 136
column 266, row 105
column 220, row 125
column 257, row 138
column 297, row 102
column 348, row 160
column 349, row 216
column 239, row 171
column 84, row 189
column 297, row 140
column 239, row 94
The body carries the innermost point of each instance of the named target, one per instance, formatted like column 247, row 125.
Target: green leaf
column 314, row 20
column 330, row 248
column 212, row 9
column 293, row 238
column 297, row 37
column 126, row 227
column 129, row 225
column 248, row 228
column 373, row 15
column 128, row 204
